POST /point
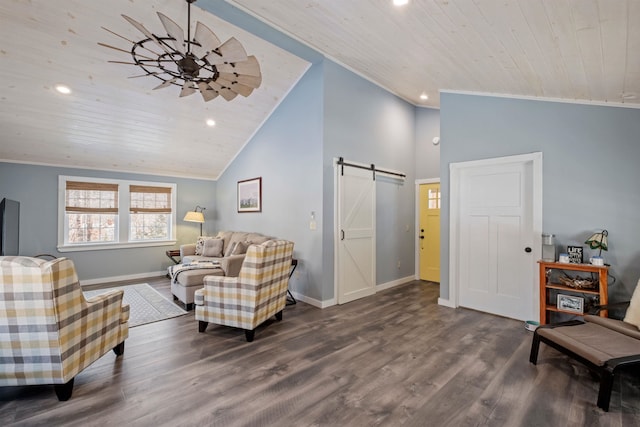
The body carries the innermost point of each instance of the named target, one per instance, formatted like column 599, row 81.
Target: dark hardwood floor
column 396, row 358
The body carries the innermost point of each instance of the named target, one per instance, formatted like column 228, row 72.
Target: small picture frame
column 570, row 303
column 575, row 254
column 250, row 195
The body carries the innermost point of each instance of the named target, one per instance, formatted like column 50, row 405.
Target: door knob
column 527, row 249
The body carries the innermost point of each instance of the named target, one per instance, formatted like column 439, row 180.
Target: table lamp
column 598, row 241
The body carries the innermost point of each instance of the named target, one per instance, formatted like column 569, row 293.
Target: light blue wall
column 287, row 153
column 590, row 169
column 427, row 155
column 366, row 124
column 36, row 188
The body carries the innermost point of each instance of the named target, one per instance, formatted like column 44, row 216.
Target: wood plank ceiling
column 111, row 121
column 577, row 50
column 587, row 50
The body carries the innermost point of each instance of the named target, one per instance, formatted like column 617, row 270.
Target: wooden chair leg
column 119, row 349
column 279, row 315
column 202, row 326
column 63, row 391
column 249, row 334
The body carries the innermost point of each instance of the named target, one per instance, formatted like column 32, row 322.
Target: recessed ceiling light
column 400, row 2
column 63, row 89
column 424, row 96
column 211, row 122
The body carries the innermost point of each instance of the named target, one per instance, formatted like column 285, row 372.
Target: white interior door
column 355, row 261
column 496, row 236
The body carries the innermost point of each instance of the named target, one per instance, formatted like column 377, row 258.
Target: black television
column 9, row 227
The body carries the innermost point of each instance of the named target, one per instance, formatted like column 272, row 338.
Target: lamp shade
column 192, row 216
column 598, row 240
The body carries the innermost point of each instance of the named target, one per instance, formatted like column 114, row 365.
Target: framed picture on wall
column 250, row 195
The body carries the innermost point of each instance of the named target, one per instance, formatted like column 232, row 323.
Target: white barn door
column 356, row 244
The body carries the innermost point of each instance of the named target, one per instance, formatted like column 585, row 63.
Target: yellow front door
column 429, row 232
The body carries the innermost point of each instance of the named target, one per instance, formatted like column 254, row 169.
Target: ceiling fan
column 201, row 63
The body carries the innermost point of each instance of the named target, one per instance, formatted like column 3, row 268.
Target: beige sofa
column 227, row 248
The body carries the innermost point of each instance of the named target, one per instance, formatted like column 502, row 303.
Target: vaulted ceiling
column 575, row 50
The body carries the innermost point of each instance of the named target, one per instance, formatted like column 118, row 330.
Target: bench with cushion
column 605, row 346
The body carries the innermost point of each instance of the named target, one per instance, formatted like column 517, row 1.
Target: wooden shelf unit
column 601, row 290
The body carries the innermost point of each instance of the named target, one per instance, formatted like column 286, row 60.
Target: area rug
column 146, row 305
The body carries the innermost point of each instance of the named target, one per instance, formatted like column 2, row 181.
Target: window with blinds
column 150, row 212
column 91, row 212
column 98, row 213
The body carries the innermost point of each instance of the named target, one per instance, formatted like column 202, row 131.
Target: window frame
column 123, row 216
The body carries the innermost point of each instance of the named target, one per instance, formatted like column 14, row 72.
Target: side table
column 172, row 253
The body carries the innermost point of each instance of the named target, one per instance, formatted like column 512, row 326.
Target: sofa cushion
column 213, row 247
column 256, row 238
column 633, row 312
column 239, row 248
column 200, row 243
column 237, row 236
column 226, row 237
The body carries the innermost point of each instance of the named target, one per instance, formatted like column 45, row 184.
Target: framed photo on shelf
column 575, row 254
column 570, row 303
column 250, row 195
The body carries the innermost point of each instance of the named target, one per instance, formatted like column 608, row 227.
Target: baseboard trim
column 446, row 303
column 122, row 278
column 394, row 283
column 314, row 302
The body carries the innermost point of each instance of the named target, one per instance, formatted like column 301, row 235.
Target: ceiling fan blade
column 124, row 50
column 173, row 30
column 206, row 38
column 235, row 86
column 249, row 67
column 130, row 41
column 226, row 93
column 250, row 81
column 146, row 32
column 188, row 88
column 207, row 92
column 229, row 51
column 144, row 75
column 164, row 84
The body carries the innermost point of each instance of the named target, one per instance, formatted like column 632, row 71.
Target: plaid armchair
column 259, row 291
column 48, row 331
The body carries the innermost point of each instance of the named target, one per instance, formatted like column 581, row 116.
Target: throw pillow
column 633, row 312
column 240, row 248
column 212, row 247
column 200, row 243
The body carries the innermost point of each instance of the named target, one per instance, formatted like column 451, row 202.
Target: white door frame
column 455, row 171
column 416, row 240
